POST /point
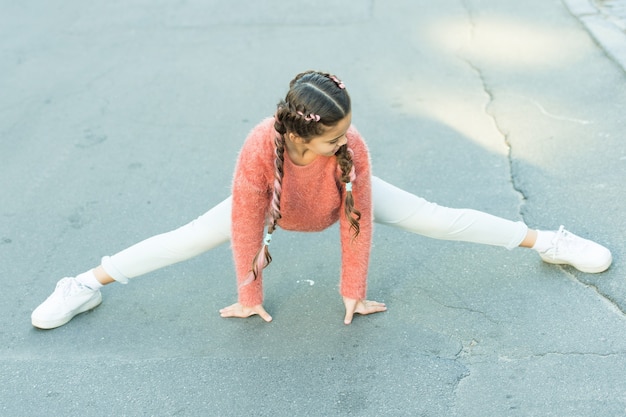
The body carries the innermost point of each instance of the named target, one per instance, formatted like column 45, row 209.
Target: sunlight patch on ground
column 465, row 113
column 504, row 42
column 456, row 93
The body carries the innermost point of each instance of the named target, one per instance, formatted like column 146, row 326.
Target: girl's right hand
column 237, row 310
column 354, row 305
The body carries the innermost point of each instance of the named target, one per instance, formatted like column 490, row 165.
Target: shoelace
column 69, row 287
column 560, row 239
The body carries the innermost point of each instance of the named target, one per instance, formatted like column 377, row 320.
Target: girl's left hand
column 361, row 307
column 238, row 310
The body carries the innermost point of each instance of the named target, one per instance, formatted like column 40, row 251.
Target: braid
column 263, row 258
column 279, row 161
column 344, row 160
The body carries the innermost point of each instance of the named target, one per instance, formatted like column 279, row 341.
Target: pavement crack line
column 542, row 355
column 613, row 305
column 486, row 108
column 607, row 299
column 605, row 30
column 468, row 310
column 505, row 137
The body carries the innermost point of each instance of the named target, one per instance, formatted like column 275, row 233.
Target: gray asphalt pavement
column 123, row 119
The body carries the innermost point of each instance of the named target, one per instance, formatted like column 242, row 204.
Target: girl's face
column 329, row 142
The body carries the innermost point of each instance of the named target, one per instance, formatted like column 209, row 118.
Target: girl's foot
column 69, row 298
column 568, row 249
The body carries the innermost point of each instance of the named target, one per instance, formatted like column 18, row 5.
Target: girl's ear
column 295, row 138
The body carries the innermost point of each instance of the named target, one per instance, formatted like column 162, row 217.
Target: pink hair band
column 310, row 117
column 337, row 81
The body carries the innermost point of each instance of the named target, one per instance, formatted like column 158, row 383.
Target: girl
column 305, row 169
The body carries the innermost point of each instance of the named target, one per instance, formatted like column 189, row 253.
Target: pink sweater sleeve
column 251, row 196
column 355, row 253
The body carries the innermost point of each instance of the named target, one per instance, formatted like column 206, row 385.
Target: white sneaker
column 69, row 298
column 582, row 254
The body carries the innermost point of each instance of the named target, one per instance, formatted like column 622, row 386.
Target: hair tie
column 349, row 186
column 310, row 117
column 267, row 239
column 337, row 81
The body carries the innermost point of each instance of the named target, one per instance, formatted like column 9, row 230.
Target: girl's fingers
column 261, row 312
column 227, row 312
column 237, row 310
column 362, row 307
column 351, row 305
column 348, row 318
column 369, row 307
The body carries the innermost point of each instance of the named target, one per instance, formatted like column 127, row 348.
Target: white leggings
column 392, row 206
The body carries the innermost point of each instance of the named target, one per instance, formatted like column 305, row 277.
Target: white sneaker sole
column 595, row 269
column 51, row 324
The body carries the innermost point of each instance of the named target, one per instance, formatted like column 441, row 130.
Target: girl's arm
column 355, row 252
column 251, row 196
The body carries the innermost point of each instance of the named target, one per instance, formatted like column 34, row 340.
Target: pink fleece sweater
column 312, row 200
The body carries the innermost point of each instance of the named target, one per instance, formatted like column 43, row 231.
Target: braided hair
column 314, row 102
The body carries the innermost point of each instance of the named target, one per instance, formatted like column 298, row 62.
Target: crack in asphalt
column 607, row 299
column 490, row 100
column 614, row 305
column 605, row 21
column 505, row 138
column 466, row 351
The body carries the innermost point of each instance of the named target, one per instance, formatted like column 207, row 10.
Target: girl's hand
column 237, row 310
column 361, row 307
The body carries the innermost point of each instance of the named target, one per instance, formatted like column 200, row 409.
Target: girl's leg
column 73, row 296
column 396, row 207
column 204, row 233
